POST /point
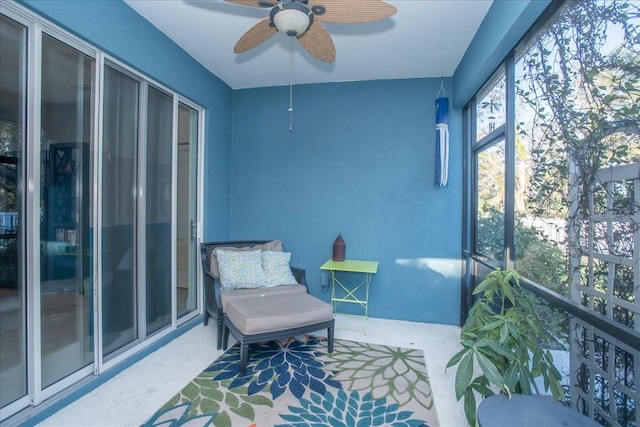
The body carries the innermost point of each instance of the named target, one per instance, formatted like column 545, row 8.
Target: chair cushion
column 276, row 268
column 276, row 312
column 230, row 295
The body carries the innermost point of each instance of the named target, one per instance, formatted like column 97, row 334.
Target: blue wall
column 361, row 162
column 121, row 32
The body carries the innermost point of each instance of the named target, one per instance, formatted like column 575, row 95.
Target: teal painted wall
column 114, row 27
column 361, row 162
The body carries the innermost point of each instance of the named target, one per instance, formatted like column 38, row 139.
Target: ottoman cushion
column 227, row 296
column 275, row 312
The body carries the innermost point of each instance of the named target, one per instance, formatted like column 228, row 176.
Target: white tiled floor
column 131, row 397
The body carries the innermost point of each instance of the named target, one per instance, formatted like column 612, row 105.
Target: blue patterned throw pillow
column 241, row 269
column 276, row 268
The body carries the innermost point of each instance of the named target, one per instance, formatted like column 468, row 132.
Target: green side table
column 347, row 294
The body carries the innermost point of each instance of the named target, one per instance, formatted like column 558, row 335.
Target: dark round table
column 522, row 411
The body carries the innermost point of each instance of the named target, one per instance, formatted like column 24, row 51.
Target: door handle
column 194, row 229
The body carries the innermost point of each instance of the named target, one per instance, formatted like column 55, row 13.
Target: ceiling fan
column 302, row 19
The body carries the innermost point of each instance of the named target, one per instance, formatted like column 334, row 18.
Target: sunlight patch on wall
column 447, row 267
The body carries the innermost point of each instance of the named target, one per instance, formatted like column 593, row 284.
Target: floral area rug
column 297, row 383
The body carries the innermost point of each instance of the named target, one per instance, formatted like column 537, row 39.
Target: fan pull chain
column 291, row 91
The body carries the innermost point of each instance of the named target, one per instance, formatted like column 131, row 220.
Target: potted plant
column 502, row 340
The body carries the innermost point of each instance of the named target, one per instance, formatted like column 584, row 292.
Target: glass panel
column 490, row 110
column 490, row 202
column 13, row 367
column 577, row 200
column 120, row 142
column 66, row 292
column 159, row 209
column 186, row 244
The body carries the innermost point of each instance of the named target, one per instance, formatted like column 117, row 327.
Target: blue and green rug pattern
column 297, row 383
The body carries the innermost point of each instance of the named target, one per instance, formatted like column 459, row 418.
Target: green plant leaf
column 464, row 375
column 511, row 376
column 554, row 372
column 492, row 325
column 470, row 407
column 481, row 385
column 538, row 365
column 488, row 283
column 526, row 380
column 500, row 348
column 490, row 370
column 556, row 388
column 514, row 331
column 508, row 293
column 504, row 332
column 456, row 358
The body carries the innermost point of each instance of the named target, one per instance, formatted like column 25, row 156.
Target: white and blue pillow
column 276, row 268
column 241, row 269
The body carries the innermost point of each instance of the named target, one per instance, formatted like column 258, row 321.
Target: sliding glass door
column 158, row 179
column 119, row 190
column 13, row 311
column 137, row 209
column 186, row 285
column 66, row 292
column 98, row 210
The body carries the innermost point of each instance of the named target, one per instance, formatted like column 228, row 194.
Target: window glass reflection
column 13, row 366
column 66, row 144
column 490, row 201
column 159, row 208
column 119, row 291
column 490, row 110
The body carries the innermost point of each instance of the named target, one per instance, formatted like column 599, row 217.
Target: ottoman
column 267, row 317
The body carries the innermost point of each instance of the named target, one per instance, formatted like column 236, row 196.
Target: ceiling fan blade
column 255, row 35
column 352, row 11
column 254, row 3
column 317, row 41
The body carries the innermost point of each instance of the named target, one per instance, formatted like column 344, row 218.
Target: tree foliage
column 578, row 92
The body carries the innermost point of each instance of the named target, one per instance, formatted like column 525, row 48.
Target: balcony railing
column 598, row 362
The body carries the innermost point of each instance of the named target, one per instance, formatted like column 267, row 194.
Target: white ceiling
column 425, row 38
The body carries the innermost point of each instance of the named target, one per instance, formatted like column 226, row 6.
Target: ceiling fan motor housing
column 291, row 17
column 304, row 20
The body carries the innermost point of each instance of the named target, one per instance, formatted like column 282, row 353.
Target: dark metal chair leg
column 225, row 337
column 220, row 332
column 206, row 317
column 244, row 354
column 330, row 332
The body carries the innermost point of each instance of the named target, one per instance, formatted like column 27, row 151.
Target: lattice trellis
column 603, row 369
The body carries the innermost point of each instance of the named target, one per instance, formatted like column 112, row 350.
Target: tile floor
column 132, row 396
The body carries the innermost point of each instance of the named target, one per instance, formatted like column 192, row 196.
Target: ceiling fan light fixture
column 291, row 18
